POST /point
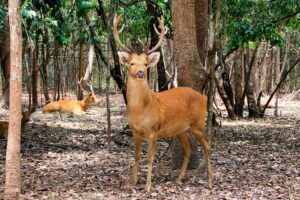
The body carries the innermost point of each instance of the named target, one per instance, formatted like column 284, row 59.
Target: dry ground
column 69, row 159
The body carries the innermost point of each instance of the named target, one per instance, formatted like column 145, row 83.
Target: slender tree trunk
column 13, row 161
column 45, row 63
column 28, row 76
column 5, row 59
column 169, row 62
column 5, row 63
column 116, row 70
column 249, row 90
column 81, row 70
column 263, row 82
column 270, row 72
column 277, row 66
column 35, row 75
column 255, row 74
column 238, row 82
column 222, row 92
column 161, row 75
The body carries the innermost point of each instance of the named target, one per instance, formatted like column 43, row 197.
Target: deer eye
column 132, row 64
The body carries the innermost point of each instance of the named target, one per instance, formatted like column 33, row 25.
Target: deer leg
column 183, row 139
column 137, row 149
column 150, row 156
column 199, row 133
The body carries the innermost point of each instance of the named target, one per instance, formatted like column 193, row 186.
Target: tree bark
column 81, row 70
column 161, row 75
column 263, row 79
column 191, row 71
column 35, row 74
column 116, row 70
column 270, row 71
column 249, row 86
column 13, row 161
column 45, row 63
column 238, row 82
column 5, row 60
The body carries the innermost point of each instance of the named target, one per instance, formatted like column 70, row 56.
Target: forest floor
column 69, row 158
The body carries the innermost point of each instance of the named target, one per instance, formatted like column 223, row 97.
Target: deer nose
column 140, row 74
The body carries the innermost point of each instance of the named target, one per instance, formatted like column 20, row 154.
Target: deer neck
column 138, row 94
column 85, row 104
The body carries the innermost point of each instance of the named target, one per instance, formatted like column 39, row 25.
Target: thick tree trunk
column 201, row 20
column 81, row 70
column 13, row 161
column 191, row 71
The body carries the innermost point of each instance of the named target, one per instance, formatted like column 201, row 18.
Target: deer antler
column 163, row 31
column 116, row 33
column 89, row 84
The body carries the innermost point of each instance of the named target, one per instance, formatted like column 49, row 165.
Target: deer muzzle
column 140, row 74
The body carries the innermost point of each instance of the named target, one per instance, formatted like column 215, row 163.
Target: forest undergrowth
column 68, row 158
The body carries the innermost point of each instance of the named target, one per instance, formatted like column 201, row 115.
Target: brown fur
column 4, row 124
column 172, row 113
column 71, row 106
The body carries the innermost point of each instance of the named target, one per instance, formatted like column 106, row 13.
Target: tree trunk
column 222, row 92
column 277, row 66
column 81, row 70
column 263, row 82
column 5, row 60
column 13, row 161
column 255, row 74
column 201, row 20
column 35, row 75
column 191, row 71
column 169, row 62
column 45, row 63
column 238, row 82
column 5, row 63
column 116, row 70
column 249, row 90
column 270, row 72
column 161, row 75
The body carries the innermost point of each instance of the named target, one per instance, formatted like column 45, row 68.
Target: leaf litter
column 68, row 158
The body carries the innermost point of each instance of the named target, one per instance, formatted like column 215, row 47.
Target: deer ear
column 153, row 58
column 123, row 57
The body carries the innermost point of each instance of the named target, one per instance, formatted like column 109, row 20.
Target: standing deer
column 73, row 106
column 172, row 113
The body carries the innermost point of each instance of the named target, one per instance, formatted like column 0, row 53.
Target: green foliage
column 83, row 7
column 3, row 14
column 253, row 21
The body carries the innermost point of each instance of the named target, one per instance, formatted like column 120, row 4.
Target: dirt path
column 68, row 159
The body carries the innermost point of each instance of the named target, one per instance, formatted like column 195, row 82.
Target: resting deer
column 171, row 113
column 73, row 106
column 4, row 124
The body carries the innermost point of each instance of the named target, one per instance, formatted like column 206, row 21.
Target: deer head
column 90, row 96
column 137, row 63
